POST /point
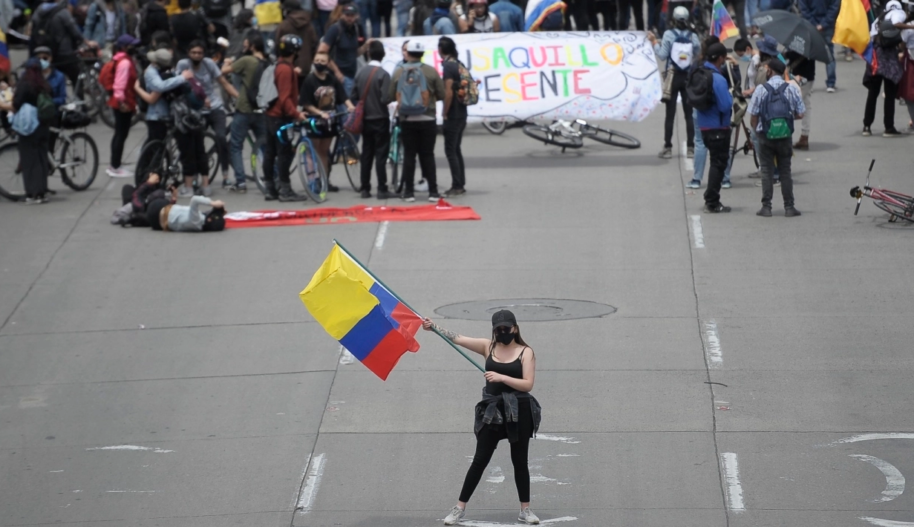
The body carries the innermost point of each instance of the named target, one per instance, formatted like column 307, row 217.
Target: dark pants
column 577, row 9
column 375, row 147
column 33, row 158
column 625, row 9
column 718, row 144
column 607, row 8
column 122, row 122
column 275, row 152
column 156, row 130
column 679, row 88
column 487, row 441
column 453, row 137
column 193, row 153
column 779, row 150
column 69, row 66
column 241, row 123
column 216, row 120
column 419, row 139
column 874, row 87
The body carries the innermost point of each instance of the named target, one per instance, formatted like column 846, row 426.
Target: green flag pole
column 378, row 280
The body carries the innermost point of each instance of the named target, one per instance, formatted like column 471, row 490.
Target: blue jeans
column 830, row 77
column 368, row 11
column 320, row 22
column 701, row 154
column 241, row 123
column 751, row 10
column 403, row 7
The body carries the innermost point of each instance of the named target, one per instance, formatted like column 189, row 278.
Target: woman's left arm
column 521, row 385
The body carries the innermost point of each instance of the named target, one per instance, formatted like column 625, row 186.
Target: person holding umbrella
column 823, row 14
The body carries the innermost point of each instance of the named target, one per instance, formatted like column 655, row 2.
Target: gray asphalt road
column 155, row 379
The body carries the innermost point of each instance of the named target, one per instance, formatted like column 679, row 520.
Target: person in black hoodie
column 187, row 26
column 33, row 148
column 153, row 18
column 297, row 21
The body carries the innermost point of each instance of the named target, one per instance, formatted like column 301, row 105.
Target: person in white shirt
column 479, row 19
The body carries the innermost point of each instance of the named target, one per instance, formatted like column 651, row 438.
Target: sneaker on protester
column 725, row 184
column 421, row 186
column 118, row 172
column 866, row 131
column 891, row 132
column 409, row 198
column 185, row 192
column 240, row 188
column 434, row 197
column 527, row 516
column 666, row 153
column 454, row 516
column 830, row 89
column 226, row 185
column 695, row 183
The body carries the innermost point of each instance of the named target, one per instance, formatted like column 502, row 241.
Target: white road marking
column 713, row 351
column 55, row 471
column 688, row 164
column 496, row 475
column 698, row 238
column 886, row 523
column 312, row 484
column 734, row 488
column 473, row 523
column 346, row 357
column 567, row 455
column 539, row 478
column 382, row 233
column 130, row 491
column 133, row 448
column 894, row 480
column 873, row 437
column 304, row 472
column 562, row 439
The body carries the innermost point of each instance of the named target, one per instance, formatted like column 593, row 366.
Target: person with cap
column 159, row 81
column 776, row 100
column 732, row 74
column 419, row 132
column 53, row 26
column 33, row 147
column 714, row 124
column 507, row 410
column 344, row 42
column 478, row 19
column 105, row 23
column 756, row 75
column 58, row 84
column 122, row 100
column 679, row 48
column 297, row 21
column 163, row 215
column 284, row 110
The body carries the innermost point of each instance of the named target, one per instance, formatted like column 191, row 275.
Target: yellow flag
column 338, row 295
column 852, row 29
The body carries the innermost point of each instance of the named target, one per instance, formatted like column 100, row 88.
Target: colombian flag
column 4, row 54
column 267, row 12
column 852, row 28
column 361, row 313
column 722, row 25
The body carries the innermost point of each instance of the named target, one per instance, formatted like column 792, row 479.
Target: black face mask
column 196, row 62
column 504, row 338
column 321, row 68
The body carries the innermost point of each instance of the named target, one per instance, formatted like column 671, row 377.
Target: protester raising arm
column 476, row 345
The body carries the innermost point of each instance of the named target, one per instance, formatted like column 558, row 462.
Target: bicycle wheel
column 548, row 136
column 347, row 154
column 154, row 157
column 98, row 98
column 396, row 161
column 212, row 155
column 312, row 173
column 895, row 211
column 495, row 127
column 12, row 186
column 79, row 161
column 609, row 137
column 250, row 152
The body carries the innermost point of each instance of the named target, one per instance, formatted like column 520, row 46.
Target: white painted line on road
column 133, row 448
column 304, row 472
column 473, row 523
column 698, row 238
column 713, row 351
column 873, row 437
column 130, row 491
column 562, row 439
column 688, row 164
column 894, row 480
column 346, row 357
column 382, row 233
column 309, row 491
column 734, row 488
column 55, row 471
column 568, row 455
column 886, row 523
column 539, row 478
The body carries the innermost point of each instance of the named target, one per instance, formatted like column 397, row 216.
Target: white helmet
column 681, row 14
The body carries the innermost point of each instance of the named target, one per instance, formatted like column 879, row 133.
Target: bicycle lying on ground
column 571, row 134
column 898, row 205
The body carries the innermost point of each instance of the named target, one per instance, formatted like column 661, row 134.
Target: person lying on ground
column 162, row 215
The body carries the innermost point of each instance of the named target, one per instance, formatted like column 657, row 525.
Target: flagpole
column 395, row 295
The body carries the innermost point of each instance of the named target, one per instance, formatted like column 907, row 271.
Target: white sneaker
column 830, row 89
column 185, row 192
column 456, row 515
column 527, row 516
column 118, row 172
column 421, row 186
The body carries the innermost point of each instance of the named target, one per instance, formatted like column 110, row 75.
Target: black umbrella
column 794, row 33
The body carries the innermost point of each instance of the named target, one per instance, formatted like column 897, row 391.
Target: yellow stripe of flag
column 338, row 295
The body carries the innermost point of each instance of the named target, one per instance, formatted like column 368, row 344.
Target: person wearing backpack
column 456, row 91
column 773, row 108
column 372, row 91
column 34, row 90
column 280, row 112
column 122, row 100
column 53, row 26
column 248, row 70
column 679, row 48
column 417, row 87
column 708, row 92
column 885, row 69
column 298, row 22
column 344, row 42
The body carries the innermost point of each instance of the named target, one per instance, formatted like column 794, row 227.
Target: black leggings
column 122, row 123
column 487, row 441
column 679, row 88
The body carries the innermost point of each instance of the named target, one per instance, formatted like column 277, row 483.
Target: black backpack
column 888, row 36
column 700, row 88
column 254, row 88
column 41, row 30
column 216, row 8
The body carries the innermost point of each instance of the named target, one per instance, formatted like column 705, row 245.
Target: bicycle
column 163, row 158
column 747, row 146
column 571, row 134
column 395, row 156
column 74, row 156
column 90, row 89
column 898, row 205
column 311, row 171
column 345, row 150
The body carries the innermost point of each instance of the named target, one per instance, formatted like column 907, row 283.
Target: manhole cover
column 527, row 309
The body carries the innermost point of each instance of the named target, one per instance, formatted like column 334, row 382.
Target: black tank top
column 511, row 369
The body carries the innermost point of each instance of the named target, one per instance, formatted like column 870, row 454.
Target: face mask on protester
column 321, row 68
column 745, row 57
column 254, row 22
column 504, row 338
column 44, row 64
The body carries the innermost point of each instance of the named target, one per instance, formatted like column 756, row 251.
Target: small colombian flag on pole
column 361, row 313
column 722, row 25
column 4, row 54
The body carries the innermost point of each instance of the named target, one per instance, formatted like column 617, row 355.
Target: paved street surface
column 172, row 380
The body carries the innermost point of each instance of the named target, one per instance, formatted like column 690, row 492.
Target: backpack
column 253, row 90
column 267, row 93
column 46, row 109
column 775, row 114
column 700, row 88
column 41, row 34
column 681, row 51
column 106, row 76
column 412, row 90
column 888, row 36
column 468, row 91
column 216, row 8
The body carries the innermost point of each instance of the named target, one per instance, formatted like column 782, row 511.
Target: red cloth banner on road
column 441, row 211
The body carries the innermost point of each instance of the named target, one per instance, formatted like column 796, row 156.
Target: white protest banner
column 589, row 75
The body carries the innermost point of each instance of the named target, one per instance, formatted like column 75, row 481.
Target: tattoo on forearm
column 446, row 332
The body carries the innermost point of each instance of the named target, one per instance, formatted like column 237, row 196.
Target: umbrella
column 794, row 33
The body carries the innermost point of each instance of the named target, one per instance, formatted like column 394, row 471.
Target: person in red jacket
column 283, row 111
column 122, row 101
